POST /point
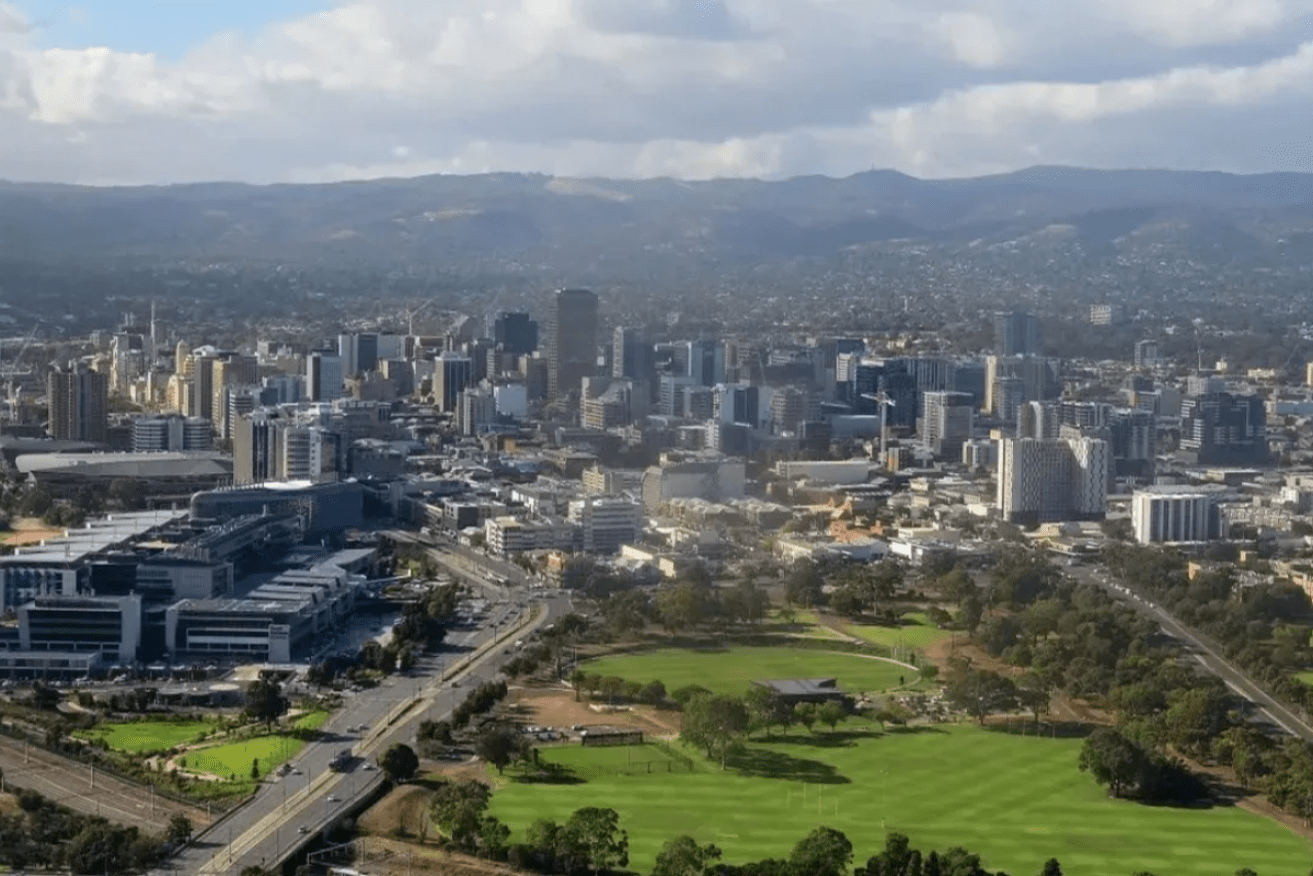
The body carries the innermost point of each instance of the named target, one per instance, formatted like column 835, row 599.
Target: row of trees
column 1264, row 629
column 1076, row 638
column 590, row 841
column 719, row 724
column 44, row 834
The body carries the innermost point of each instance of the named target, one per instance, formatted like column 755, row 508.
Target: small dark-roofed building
column 805, row 690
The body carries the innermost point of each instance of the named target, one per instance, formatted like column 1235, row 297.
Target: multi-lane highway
column 1205, row 652
column 285, row 813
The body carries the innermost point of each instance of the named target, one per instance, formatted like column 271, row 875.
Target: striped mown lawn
column 143, row 737
column 916, row 633
column 731, row 670
column 235, row 758
column 1016, row 801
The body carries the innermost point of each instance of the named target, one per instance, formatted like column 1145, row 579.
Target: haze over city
column 628, row 437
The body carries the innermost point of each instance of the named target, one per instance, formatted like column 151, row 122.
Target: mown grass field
column 1016, row 801
column 311, row 720
column 144, row 737
column 916, row 633
column 235, row 758
column 731, row 670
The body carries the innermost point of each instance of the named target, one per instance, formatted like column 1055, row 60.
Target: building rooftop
column 96, row 536
column 802, row 687
column 239, row 606
column 128, row 465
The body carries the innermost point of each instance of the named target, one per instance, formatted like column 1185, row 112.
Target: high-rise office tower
column 706, row 361
column 947, row 421
column 1015, row 334
column 78, row 400
column 323, row 377
column 451, row 375
column 571, row 342
column 358, row 353
column 515, row 333
column 631, row 354
column 1220, row 428
column 737, row 403
column 231, row 371
column 201, row 403
column 1146, row 354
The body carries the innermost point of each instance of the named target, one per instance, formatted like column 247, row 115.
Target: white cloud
column 973, row 38
column 11, row 20
column 690, row 88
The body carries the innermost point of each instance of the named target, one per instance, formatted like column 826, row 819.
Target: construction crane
column 882, row 398
column 9, row 372
column 411, row 312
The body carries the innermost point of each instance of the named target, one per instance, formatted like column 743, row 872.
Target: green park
column 1015, row 800
column 148, row 737
column 731, row 670
column 224, row 759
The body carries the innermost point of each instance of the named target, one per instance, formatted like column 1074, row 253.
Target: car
column 333, row 798
column 296, row 771
column 303, row 829
column 367, row 767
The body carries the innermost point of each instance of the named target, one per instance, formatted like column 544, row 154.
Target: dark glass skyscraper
column 571, row 343
column 516, row 333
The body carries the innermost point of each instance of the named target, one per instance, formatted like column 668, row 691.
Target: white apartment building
column 1173, row 515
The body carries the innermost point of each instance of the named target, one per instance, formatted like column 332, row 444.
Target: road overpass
column 286, row 814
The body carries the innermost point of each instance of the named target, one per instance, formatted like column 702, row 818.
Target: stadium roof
column 95, row 536
column 127, row 465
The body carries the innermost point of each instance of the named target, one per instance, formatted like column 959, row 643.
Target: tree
column 830, row 714
column 823, row 852
column 255, row 768
column 765, row 709
column 265, row 701
column 684, row 605
column 1051, row 868
column 896, row 859
column 458, row 809
column 500, row 745
column 715, row 724
column 973, row 610
column 682, row 856
column 1112, row 759
column 980, row 693
column 805, row 714
column 596, row 832
column 653, row 693
column 179, row 828
column 804, row 585
column 1033, row 692
column 1196, row 717
column 398, row 762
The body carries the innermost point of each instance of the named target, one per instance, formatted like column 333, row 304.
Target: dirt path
column 72, row 784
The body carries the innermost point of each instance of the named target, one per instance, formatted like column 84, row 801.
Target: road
column 1204, row 652
column 287, row 812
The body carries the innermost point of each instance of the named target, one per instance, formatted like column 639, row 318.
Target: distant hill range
column 518, row 216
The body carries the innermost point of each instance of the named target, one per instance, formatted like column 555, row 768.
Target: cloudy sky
column 130, row 91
